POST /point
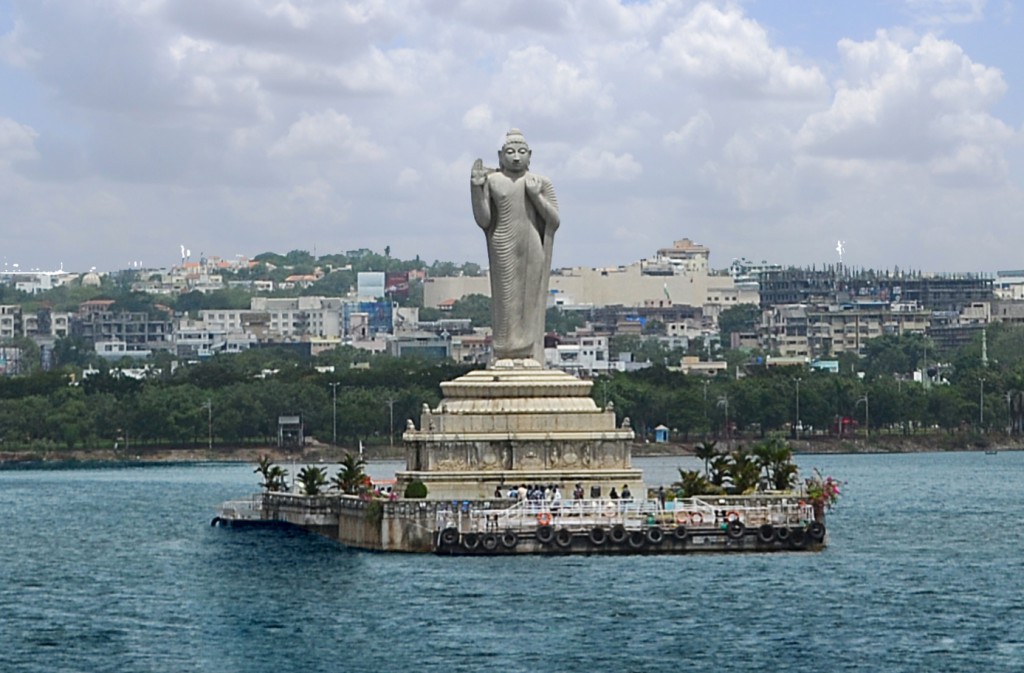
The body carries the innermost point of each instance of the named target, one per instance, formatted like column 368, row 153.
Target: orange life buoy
column 544, row 519
column 732, row 516
column 696, row 518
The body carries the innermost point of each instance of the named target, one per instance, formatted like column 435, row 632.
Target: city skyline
column 128, row 130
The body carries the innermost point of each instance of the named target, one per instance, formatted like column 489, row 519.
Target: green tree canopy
column 739, row 318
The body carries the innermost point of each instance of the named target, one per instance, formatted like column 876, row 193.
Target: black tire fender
column 509, row 539
column 449, row 536
column 545, row 534
column 816, row 531
column 618, row 534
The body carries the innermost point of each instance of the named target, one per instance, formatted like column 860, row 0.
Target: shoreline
column 321, row 453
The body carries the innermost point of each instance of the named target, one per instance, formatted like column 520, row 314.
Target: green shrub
column 416, row 489
column 375, row 512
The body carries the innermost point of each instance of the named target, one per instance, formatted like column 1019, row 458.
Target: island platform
column 516, row 423
column 757, row 523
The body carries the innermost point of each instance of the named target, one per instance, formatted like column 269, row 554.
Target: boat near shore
column 595, row 527
column 753, row 523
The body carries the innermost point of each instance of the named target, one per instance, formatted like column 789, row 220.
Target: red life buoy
column 544, row 519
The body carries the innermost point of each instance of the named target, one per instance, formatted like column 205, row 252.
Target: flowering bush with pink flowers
column 822, row 491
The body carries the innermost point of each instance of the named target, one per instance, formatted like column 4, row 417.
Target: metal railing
column 250, row 509
column 582, row 515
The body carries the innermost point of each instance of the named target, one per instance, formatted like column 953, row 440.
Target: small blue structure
column 660, row 434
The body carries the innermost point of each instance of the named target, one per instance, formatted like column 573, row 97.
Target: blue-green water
column 119, row 570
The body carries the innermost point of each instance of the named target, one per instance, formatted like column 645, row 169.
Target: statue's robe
column 519, row 244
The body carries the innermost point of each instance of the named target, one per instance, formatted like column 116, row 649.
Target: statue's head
column 514, row 155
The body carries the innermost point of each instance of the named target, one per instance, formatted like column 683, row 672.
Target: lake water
column 118, row 569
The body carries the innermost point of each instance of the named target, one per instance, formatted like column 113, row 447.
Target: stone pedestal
column 517, row 423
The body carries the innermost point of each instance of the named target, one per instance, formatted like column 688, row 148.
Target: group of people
column 552, row 493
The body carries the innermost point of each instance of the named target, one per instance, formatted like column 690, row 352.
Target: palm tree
column 743, row 471
column 720, row 466
column 775, row 456
column 273, row 475
column 350, row 474
column 277, row 477
column 312, row 479
column 706, row 451
column 692, row 482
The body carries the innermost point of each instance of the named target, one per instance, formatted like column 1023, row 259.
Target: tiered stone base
column 516, row 423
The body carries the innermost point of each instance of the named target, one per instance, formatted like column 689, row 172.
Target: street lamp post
column 981, row 406
column 867, row 416
column 334, row 411
column 705, row 383
column 796, row 428
column 391, row 426
column 209, row 423
column 723, row 401
column 1009, row 413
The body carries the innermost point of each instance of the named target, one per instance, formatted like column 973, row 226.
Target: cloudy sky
column 761, row 129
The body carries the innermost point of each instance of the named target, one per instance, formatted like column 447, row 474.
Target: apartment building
column 817, row 331
column 10, row 321
column 99, row 322
column 935, row 292
column 583, row 353
column 304, row 319
column 288, row 318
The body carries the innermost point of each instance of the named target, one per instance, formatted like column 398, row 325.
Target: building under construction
column 839, row 284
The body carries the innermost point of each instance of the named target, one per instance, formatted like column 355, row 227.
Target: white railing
column 527, row 515
column 242, row 510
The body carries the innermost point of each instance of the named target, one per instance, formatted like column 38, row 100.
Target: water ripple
column 118, row 570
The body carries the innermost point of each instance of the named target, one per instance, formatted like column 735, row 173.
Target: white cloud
column 408, row 177
column 537, row 82
column 296, row 17
column 694, row 131
column 13, row 49
column 925, row 103
column 327, row 135
column 970, row 165
column 304, row 119
column 727, row 52
column 592, row 164
column 17, row 141
column 941, row 12
column 316, row 192
column 478, row 118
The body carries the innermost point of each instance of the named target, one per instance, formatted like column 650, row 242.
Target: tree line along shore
column 317, row 453
column 899, row 395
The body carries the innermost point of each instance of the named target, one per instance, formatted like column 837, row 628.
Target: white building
column 36, row 281
column 280, row 318
column 581, row 355
column 678, row 275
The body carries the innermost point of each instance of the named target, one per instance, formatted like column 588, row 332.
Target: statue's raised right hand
column 478, row 175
